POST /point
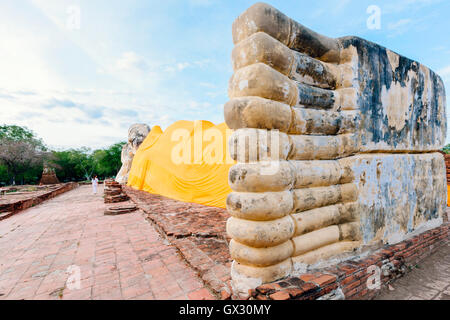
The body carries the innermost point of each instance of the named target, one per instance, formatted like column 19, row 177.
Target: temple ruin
column 334, row 151
column 336, row 142
column 48, row 176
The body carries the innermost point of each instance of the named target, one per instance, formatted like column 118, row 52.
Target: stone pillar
column 322, row 125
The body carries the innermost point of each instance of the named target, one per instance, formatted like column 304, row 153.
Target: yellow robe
column 188, row 162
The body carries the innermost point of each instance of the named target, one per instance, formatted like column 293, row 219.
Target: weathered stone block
column 336, row 142
column 399, row 194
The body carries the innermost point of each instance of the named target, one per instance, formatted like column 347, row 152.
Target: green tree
column 16, row 133
column 446, row 149
column 108, row 161
column 82, row 164
column 73, row 164
column 4, row 177
column 22, row 154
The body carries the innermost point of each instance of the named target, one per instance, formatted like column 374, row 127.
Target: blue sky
column 161, row 61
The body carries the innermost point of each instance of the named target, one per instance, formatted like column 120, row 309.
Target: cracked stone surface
column 429, row 280
column 120, row 257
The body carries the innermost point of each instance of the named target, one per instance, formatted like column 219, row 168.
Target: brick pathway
column 197, row 231
column 120, row 257
column 430, row 280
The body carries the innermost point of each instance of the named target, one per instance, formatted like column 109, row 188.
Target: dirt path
column 430, row 280
column 118, row 257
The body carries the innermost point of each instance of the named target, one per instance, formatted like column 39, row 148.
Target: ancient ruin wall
column 48, row 176
column 335, row 141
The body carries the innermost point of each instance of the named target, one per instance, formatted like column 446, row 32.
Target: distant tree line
column 23, row 156
column 446, row 149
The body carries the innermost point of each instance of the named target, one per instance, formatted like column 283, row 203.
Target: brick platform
column 197, row 231
column 13, row 207
column 349, row 279
column 120, row 257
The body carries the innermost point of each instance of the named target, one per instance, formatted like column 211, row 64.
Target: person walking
column 94, row 184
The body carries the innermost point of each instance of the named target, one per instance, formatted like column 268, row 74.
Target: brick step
column 5, row 215
column 112, row 211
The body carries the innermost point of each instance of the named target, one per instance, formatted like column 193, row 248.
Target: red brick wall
column 15, row 207
column 349, row 279
column 447, row 165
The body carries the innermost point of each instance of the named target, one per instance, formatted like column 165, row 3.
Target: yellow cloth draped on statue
column 189, row 161
column 448, row 195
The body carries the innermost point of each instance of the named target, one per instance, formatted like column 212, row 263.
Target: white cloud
column 399, row 27
column 62, row 122
column 23, row 62
column 340, row 6
column 195, row 105
column 132, row 69
column 201, row 3
column 130, row 61
column 180, row 66
column 208, row 85
column 398, row 24
column 86, row 87
column 444, row 72
column 407, row 5
column 78, row 118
